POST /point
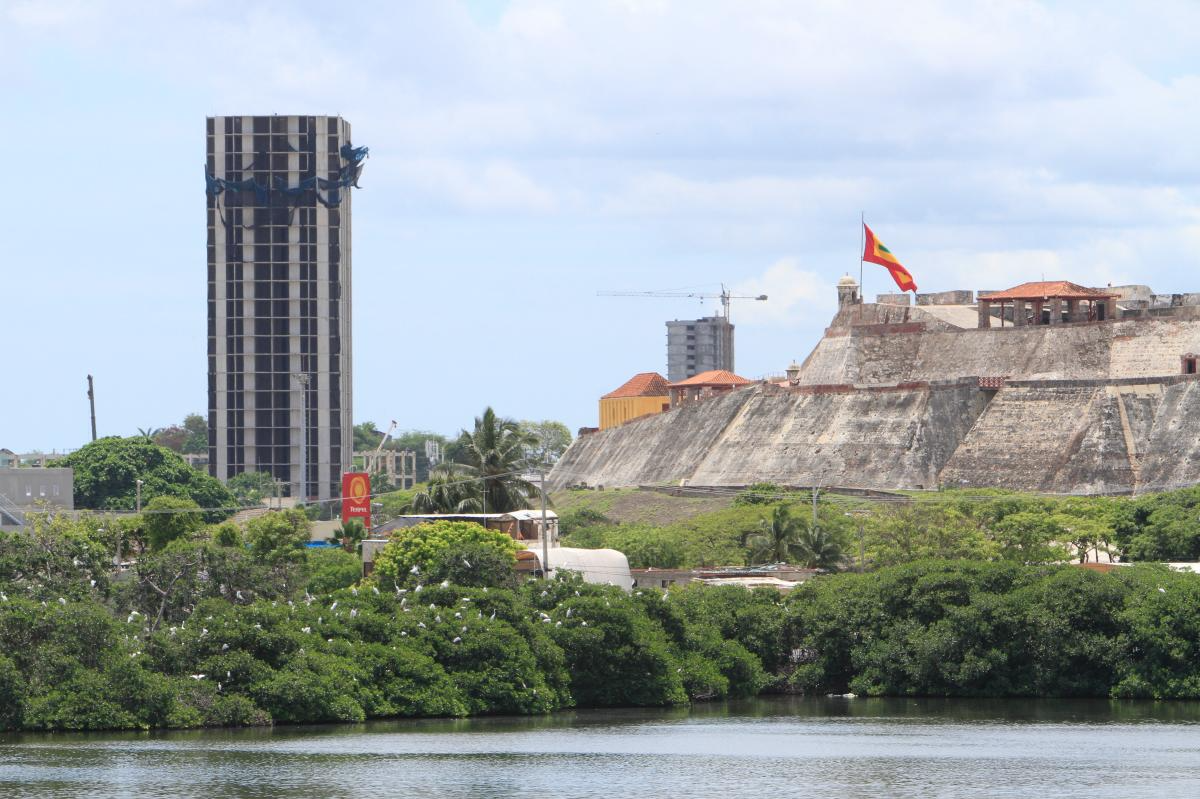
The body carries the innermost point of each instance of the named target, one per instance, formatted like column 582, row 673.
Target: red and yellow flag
column 876, row 253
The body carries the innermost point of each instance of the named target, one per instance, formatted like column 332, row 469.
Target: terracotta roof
column 714, row 377
column 645, row 384
column 1061, row 289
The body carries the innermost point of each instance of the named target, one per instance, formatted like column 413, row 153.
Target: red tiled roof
column 1061, row 289
column 645, row 384
column 714, row 377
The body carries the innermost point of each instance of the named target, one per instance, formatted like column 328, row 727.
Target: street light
column 138, row 488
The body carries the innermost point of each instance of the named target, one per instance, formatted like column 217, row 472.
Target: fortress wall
column 869, row 439
column 866, row 438
column 1172, row 444
column 1061, row 439
column 663, row 448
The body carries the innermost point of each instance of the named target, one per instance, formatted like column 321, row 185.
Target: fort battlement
column 918, row 396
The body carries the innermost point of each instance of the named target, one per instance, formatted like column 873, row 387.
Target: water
column 763, row 748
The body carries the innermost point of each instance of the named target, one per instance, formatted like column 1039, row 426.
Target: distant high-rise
column 279, row 356
column 698, row 345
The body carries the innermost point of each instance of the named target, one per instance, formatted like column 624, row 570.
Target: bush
column 441, row 550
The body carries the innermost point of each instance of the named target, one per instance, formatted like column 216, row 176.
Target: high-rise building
column 698, row 345
column 279, row 356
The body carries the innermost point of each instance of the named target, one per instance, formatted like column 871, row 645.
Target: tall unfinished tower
column 279, row 355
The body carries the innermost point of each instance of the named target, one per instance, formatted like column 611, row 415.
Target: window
column 1189, row 364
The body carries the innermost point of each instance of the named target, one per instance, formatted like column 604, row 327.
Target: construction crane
column 386, row 436
column 724, row 296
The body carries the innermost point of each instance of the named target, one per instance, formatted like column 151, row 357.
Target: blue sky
column 525, row 155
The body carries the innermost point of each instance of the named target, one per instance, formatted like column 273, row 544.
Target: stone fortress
column 1048, row 387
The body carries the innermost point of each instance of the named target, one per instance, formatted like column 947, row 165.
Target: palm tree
column 450, row 490
column 494, row 452
column 816, row 549
column 786, row 540
column 775, row 542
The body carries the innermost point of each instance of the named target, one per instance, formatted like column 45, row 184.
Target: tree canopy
column 107, row 471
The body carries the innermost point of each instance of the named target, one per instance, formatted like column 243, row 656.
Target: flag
column 876, row 253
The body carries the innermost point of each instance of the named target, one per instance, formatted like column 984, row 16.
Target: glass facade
column 278, row 300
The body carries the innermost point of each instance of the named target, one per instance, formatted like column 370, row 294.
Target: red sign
column 356, row 497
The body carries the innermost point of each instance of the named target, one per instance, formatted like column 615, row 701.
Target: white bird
column 545, row 593
column 354, row 590
column 62, row 601
column 403, row 634
column 417, row 590
column 320, row 619
column 238, row 594
column 456, row 640
column 415, row 569
column 403, row 601
column 492, row 617
column 445, row 583
column 375, row 589
column 224, row 647
column 432, row 606
column 3, row 596
column 1162, row 590
column 466, row 563
column 485, row 589
column 664, row 596
column 583, row 624
column 558, row 624
column 93, row 582
column 258, row 626
column 306, row 630
column 333, row 606
column 545, row 621
column 203, row 631
column 438, row 619
column 174, row 630
column 353, row 612
column 464, row 629
column 466, row 599
column 457, row 615
column 421, row 624
column 197, row 676
column 568, row 613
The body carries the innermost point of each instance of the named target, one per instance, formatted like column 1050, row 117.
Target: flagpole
column 862, row 243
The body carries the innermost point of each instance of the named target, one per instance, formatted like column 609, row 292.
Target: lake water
column 763, row 748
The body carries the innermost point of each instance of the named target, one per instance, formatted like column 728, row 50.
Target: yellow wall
column 620, row 410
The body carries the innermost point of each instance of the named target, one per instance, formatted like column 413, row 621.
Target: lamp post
column 137, row 484
column 303, row 379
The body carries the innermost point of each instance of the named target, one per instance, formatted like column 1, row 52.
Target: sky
column 526, row 155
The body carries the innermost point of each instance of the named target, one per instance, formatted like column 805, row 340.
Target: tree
column 465, row 552
column 548, row 440
column 107, row 471
column 251, row 487
column 450, row 490
column 817, row 548
column 495, row 452
column 366, row 437
column 777, row 543
column 197, row 439
column 167, row 518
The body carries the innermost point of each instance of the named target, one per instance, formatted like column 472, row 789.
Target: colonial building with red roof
column 705, row 385
column 641, row 395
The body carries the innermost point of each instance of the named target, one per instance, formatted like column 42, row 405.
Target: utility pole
column 138, row 488
column 92, row 403
column 545, row 527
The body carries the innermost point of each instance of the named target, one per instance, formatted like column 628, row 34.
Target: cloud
column 792, row 295
column 491, row 186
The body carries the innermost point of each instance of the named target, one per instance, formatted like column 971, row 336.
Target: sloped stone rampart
column 1084, row 437
column 869, row 438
